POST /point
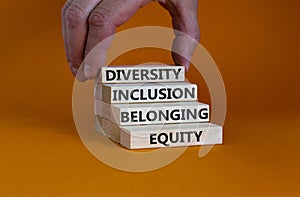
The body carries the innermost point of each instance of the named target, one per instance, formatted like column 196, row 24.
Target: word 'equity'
column 175, row 138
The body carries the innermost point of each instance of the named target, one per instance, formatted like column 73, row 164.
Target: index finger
column 103, row 21
column 74, row 15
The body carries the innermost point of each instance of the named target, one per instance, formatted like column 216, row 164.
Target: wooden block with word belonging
column 153, row 113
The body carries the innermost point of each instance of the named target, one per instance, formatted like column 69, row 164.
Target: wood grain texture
column 110, row 129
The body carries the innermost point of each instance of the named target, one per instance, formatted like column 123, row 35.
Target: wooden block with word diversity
column 153, row 113
column 150, row 92
column 139, row 74
column 170, row 135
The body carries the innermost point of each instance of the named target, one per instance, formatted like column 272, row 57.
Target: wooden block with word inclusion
column 170, row 135
column 147, row 92
column 153, row 113
column 139, row 74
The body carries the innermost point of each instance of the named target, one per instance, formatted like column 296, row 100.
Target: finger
column 185, row 23
column 64, row 29
column 75, row 17
column 103, row 21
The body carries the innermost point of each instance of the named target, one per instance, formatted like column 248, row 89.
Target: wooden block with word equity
column 153, row 113
column 149, row 93
column 170, row 135
column 139, row 74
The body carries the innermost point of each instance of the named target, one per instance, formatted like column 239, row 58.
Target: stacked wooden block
column 151, row 107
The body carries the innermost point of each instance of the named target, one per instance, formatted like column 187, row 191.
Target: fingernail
column 187, row 67
column 80, row 74
column 88, row 73
column 74, row 70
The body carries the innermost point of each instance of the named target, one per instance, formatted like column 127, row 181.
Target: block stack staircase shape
column 151, row 107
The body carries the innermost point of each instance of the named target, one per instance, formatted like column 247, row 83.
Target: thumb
column 185, row 23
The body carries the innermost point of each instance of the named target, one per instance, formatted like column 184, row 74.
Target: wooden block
column 153, row 113
column 139, row 74
column 111, row 130
column 150, row 92
column 99, row 123
column 170, row 135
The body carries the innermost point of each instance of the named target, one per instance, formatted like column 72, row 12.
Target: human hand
column 88, row 22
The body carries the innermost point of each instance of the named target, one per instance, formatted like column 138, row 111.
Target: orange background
column 256, row 46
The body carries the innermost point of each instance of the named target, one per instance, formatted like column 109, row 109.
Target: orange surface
column 256, row 46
